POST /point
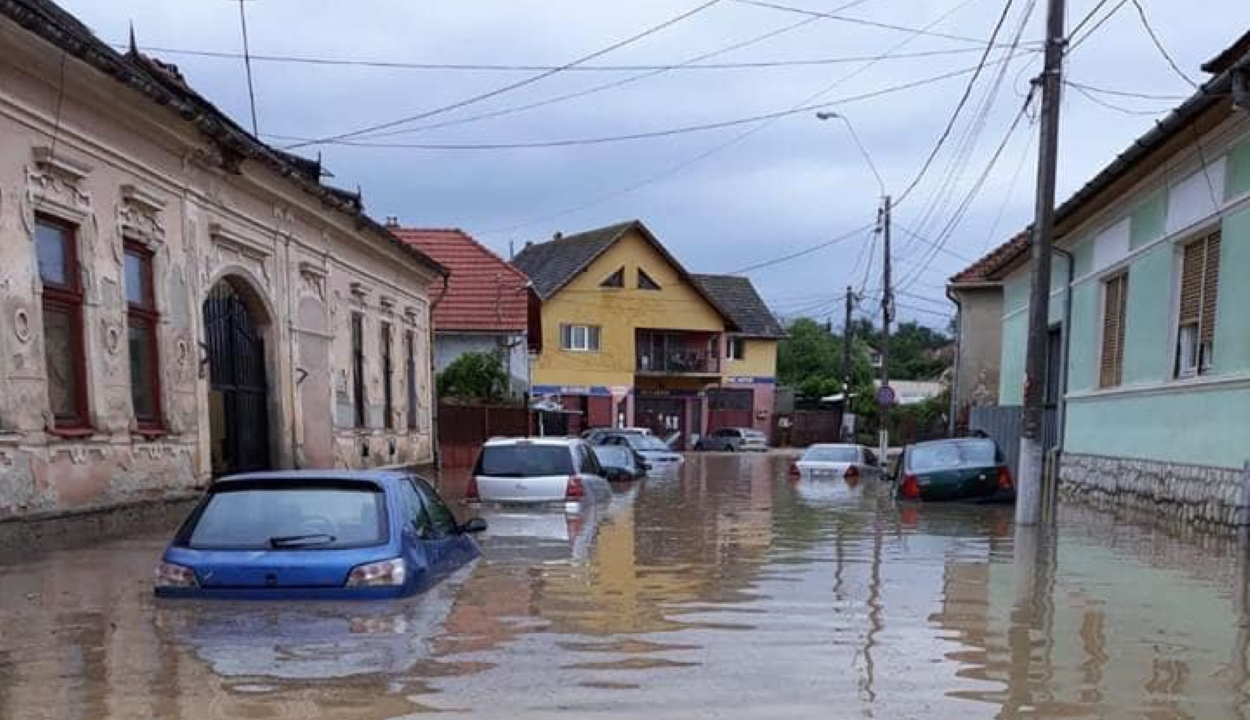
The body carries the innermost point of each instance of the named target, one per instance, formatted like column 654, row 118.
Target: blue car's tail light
column 172, row 575
column 387, row 573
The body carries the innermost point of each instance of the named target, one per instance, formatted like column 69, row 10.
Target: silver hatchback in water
column 537, row 471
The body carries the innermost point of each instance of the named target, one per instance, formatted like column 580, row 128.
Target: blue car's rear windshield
column 291, row 517
column 952, row 454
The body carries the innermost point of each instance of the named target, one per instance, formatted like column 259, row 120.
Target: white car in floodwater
column 827, row 461
column 528, row 471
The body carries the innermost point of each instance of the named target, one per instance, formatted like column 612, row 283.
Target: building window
column 410, row 353
column 615, row 280
column 645, row 282
column 1115, row 297
column 358, row 368
column 736, row 348
column 142, row 321
column 388, row 390
column 1195, row 328
column 56, row 248
column 579, row 338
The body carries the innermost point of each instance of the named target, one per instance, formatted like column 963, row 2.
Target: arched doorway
column 238, row 409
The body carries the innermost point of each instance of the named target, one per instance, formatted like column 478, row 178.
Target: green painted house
column 1150, row 305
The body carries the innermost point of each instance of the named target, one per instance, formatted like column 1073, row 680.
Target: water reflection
column 726, row 590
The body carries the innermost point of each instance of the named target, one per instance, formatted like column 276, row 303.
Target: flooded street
column 727, row 591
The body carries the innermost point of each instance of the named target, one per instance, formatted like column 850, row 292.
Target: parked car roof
column 295, row 476
column 533, row 441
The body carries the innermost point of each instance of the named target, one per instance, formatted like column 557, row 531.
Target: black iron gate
column 237, row 404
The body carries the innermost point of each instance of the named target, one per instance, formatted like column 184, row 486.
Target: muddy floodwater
column 726, row 591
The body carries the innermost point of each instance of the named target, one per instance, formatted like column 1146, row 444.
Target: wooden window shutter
column 1114, row 303
column 1191, row 282
column 1210, row 289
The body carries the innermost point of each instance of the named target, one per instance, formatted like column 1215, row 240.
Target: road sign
column 885, row 395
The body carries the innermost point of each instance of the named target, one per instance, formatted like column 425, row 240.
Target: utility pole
column 887, row 313
column 847, row 338
column 846, row 347
column 1029, row 483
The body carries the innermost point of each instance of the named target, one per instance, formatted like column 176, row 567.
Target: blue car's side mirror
column 476, row 525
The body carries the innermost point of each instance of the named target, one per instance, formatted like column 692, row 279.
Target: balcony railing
column 678, row 362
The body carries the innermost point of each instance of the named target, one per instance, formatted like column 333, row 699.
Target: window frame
column 410, row 347
column 385, row 337
column 1117, row 276
column 738, row 342
column 615, row 280
column 147, row 315
column 568, row 335
column 360, row 414
column 67, row 299
column 646, row 282
column 1195, row 337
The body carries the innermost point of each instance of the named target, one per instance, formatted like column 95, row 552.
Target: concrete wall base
column 1204, row 497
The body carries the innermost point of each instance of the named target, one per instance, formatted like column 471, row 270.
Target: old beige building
column 177, row 299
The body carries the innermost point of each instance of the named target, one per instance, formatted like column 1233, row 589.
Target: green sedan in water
column 972, row 469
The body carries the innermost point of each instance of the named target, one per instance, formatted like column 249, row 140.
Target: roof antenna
column 134, row 47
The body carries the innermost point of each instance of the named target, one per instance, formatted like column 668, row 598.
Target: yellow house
column 628, row 337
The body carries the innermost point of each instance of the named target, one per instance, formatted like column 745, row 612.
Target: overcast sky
column 721, row 199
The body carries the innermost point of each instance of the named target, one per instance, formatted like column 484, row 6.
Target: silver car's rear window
column 524, row 460
column 842, row 454
column 291, row 518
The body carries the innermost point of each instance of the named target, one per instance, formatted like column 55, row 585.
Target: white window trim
column 585, row 345
column 729, row 345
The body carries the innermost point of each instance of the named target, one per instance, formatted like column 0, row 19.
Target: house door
column 238, row 410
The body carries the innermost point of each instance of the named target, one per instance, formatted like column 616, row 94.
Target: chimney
column 558, row 236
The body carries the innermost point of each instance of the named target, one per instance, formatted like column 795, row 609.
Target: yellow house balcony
column 675, row 353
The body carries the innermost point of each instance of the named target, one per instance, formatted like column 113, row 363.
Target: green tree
column 474, row 376
column 809, row 359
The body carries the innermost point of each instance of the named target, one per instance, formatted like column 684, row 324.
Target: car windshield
column 525, row 460
column 613, row 456
column 832, row 454
column 953, row 454
column 646, row 443
column 291, row 517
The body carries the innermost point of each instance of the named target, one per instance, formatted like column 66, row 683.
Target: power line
column 1088, row 16
column 515, row 85
column 932, row 243
column 683, row 165
column 610, row 85
column 1110, row 105
column 1154, row 38
column 860, row 21
column 991, row 236
column 520, row 67
column 806, row 251
column 247, row 64
column 701, row 127
column 1123, row 93
column 1075, row 42
column 959, row 106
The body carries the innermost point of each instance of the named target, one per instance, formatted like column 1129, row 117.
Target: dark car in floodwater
column 972, row 469
column 316, row 534
column 620, row 463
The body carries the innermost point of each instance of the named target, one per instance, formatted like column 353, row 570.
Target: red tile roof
column 986, row 268
column 484, row 293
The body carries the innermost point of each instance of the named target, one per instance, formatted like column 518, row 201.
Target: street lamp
column 855, row 136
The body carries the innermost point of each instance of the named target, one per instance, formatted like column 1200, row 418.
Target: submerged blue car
column 316, row 534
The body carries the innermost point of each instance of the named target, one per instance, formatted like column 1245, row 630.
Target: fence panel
column 463, row 428
column 1005, row 423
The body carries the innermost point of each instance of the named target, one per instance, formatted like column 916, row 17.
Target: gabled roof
column 553, row 264
column 484, row 293
column 986, row 268
column 745, row 307
column 163, row 85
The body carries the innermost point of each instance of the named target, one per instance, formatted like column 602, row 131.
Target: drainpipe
column 434, row 446
column 959, row 327
column 1050, row 499
column 1061, row 419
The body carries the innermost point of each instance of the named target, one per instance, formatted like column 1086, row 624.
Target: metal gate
column 662, row 416
column 239, row 422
